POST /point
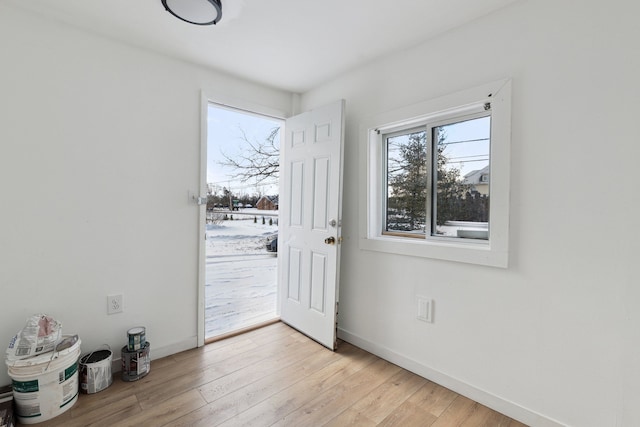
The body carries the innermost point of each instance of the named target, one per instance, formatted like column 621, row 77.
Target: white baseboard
column 157, row 353
column 492, row 401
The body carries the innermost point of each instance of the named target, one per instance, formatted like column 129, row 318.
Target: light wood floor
column 276, row 376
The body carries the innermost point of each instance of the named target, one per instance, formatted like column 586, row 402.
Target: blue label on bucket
column 25, row 386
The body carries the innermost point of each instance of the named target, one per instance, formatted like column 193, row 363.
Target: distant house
column 267, row 203
column 479, row 180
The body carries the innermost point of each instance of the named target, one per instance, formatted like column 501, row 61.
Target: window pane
column 461, row 202
column 406, row 182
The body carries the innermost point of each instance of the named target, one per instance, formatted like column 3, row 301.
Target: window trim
column 475, row 251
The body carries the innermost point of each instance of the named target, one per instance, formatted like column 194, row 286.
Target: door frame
column 207, row 98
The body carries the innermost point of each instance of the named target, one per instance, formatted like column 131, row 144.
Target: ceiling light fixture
column 198, row 12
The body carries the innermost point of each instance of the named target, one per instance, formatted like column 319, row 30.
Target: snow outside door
column 310, row 222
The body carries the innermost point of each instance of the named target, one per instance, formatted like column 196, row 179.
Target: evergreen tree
column 407, row 180
column 450, row 187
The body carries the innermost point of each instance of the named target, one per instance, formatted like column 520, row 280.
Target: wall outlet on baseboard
column 425, row 309
column 115, row 304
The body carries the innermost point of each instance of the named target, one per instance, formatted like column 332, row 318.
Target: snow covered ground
column 240, row 274
column 238, row 237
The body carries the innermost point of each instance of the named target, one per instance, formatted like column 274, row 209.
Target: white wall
column 554, row 338
column 99, row 146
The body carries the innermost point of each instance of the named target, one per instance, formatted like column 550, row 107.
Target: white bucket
column 45, row 386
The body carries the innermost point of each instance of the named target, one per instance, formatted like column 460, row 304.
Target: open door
column 310, row 221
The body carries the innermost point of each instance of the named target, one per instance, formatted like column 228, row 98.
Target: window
column 437, row 178
column 431, row 176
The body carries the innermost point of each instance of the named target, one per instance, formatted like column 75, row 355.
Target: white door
column 310, row 221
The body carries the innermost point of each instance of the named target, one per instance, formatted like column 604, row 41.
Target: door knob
column 330, row 240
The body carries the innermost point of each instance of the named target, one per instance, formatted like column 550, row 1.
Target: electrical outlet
column 425, row 309
column 115, row 304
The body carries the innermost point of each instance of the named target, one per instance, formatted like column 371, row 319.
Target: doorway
column 241, row 220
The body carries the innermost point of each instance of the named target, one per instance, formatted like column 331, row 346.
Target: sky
column 224, row 135
column 468, row 144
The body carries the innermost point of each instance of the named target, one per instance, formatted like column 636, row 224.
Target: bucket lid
column 136, row 331
column 46, row 358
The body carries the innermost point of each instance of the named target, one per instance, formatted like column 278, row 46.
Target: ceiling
column 292, row 45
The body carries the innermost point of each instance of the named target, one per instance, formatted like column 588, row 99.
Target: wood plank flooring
column 275, row 376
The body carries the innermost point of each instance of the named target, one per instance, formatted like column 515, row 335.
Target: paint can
column 136, row 338
column 46, row 385
column 136, row 364
column 95, row 371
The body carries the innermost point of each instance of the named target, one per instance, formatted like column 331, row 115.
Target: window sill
column 476, row 252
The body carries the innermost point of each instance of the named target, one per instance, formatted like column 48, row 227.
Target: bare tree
column 258, row 160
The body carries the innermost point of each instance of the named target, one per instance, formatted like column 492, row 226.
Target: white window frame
column 495, row 251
